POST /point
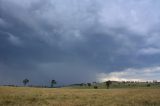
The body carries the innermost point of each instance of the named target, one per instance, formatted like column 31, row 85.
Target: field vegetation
column 27, row 96
column 116, row 84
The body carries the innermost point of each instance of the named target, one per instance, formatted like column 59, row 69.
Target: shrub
column 95, row 87
column 148, row 85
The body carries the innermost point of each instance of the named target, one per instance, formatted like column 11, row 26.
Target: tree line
column 54, row 82
column 107, row 84
column 26, row 81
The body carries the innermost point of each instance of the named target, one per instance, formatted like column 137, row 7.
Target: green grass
column 24, row 96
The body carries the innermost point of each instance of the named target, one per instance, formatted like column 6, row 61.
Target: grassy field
column 21, row 96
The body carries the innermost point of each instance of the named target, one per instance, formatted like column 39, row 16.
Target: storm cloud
column 75, row 41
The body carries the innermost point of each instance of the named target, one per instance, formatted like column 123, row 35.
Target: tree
column 25, row 81
column 108, row 83
column 81, row 84
column 53, row 82
column 89, row 84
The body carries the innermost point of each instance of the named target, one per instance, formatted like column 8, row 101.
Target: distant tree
column 25, row 81
column 108, row 83
column 123, row 82
column 53, row 82
column 155, row 81
column 89, row 84
column 94, row 83
column 81, row 84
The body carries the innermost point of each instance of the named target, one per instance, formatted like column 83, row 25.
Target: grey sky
column 78, row 40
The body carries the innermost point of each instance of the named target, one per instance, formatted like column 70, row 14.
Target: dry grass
column 12, row 96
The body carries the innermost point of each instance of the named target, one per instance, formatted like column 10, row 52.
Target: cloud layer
column 132, row 74
column 73, row 41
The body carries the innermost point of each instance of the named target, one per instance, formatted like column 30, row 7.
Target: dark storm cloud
column 74, row 41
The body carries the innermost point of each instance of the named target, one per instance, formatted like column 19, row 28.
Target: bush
column 95, row 87
column 148, row 85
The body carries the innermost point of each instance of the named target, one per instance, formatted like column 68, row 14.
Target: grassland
column 21, row 96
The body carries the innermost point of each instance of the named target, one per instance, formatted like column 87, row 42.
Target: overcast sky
column 75, row 41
